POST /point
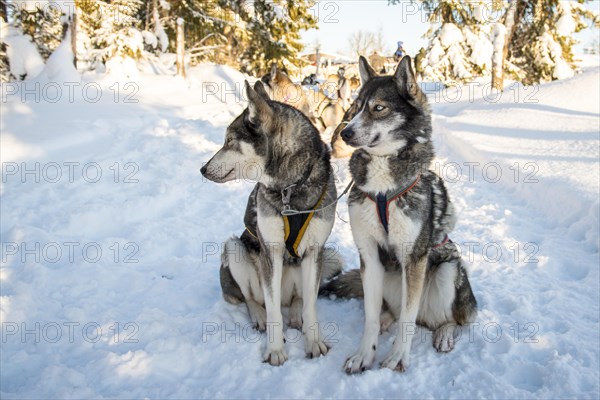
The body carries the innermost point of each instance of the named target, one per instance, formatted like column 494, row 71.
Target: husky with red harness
column 401, row 216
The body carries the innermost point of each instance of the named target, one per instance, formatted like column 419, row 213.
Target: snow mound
column 552, row 131
column 219, row 82
column 60, row 65
column 24, row 58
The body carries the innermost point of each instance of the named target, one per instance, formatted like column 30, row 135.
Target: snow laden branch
column 527, row 40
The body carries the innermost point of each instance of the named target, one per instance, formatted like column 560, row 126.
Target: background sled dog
column 400, row 216
column 340, row 86
column 278, row 259
column 324, row 112
column 339, row 148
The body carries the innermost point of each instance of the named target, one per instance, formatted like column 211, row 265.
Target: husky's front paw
column 385, row 321
column 359, row 362
column 295, row 323
column 275, row 357
column 258, row 316
column 315, row 348
column 260, row 326
column 296, row 314
column 443, row 338
column 396, row 362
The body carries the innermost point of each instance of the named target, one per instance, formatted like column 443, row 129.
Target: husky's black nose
column 347, row 134
column 203, row 169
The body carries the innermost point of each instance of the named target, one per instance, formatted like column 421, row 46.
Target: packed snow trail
column 146, row 317
column 527, row 188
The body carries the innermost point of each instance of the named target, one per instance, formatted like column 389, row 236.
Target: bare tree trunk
column 3, row 10
column 4, row 62
column 498, row 60
column 155, row 14
column 147, row 21
column 318, row 59
column 180, row 48
column 73, row 27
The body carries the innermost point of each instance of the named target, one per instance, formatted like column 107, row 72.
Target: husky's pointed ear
column 257, row 105
column 365, row 70
column 260, row 89
column 406, row 81
column 274, row 72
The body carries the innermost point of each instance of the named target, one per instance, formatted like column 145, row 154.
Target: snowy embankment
column 111, row 241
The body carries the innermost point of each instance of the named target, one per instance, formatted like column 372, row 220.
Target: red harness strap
column 382, row 204
column 443, row 242
column 383, row 200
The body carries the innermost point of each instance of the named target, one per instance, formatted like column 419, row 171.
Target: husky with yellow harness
column 280, row 259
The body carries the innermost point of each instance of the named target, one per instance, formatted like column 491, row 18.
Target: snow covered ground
column 111, row 241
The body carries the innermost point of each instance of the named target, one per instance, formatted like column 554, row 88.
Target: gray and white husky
column 278, row 259
column 400, row 215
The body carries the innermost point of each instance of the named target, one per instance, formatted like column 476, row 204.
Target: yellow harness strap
column 251, row 233
column 294, row 227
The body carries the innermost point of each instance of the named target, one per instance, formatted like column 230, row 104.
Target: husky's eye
column 379, row 107
column 228, row 140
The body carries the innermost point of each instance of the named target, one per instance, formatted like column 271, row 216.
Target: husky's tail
column 332, row 265
column 347, row 285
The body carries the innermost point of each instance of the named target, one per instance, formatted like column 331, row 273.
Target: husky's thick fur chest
column 401, row 201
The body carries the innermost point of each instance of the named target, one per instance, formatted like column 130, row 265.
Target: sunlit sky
column 338, row 19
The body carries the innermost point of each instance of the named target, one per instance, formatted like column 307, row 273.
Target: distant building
column 326, row 58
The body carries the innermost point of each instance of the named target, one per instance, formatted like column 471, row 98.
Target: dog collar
column 382, row 201
column 286, row 192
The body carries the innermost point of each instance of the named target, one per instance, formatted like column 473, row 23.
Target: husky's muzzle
column 348, row 134
column 216, row 174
